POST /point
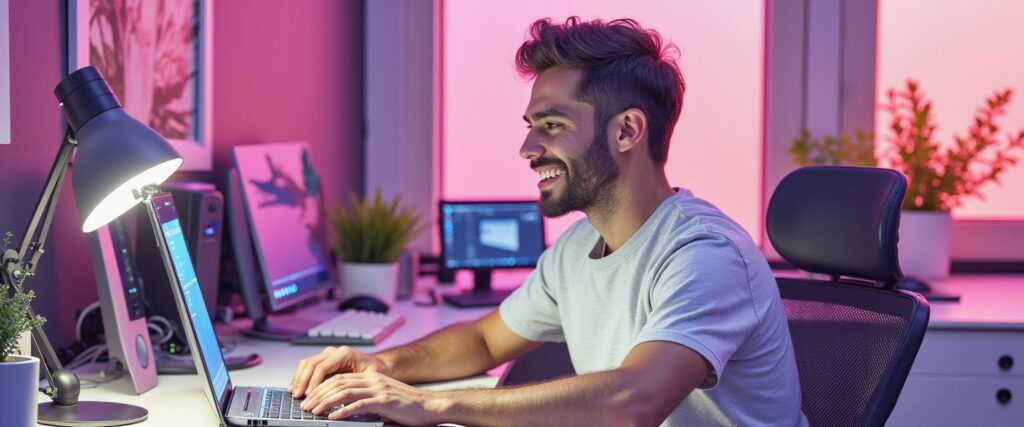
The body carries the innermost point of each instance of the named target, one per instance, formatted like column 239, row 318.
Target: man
column 669, row 310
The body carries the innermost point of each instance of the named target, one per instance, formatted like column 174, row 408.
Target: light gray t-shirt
column 690, row 275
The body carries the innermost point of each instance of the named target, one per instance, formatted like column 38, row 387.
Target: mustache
column 546, row 161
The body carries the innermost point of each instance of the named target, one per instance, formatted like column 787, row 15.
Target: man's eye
column 553, row 125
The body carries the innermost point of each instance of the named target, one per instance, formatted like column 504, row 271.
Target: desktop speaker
column 122, row 306
column 201, row 212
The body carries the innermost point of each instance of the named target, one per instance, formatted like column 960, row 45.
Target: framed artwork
column 5, row 74
column 157, row 57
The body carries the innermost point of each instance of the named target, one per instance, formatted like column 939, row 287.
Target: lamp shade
column 116, row 154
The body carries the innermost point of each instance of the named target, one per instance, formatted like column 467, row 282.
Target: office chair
column 549, row 361
column 854, row 335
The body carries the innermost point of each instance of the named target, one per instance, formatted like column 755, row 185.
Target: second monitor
column 482, row 236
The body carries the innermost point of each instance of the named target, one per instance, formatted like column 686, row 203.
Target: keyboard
column 277, row 404
column 352, row 327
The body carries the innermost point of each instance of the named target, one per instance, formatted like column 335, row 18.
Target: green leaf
column 374, row 230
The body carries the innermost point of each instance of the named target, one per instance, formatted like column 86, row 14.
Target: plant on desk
column 369, row 237
column 19, row 374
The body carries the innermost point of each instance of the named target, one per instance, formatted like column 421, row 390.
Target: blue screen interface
column 206, row 338
column 491, row 235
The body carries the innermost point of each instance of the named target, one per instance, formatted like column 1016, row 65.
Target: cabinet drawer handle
column 1006, row 362
column 1004, row 396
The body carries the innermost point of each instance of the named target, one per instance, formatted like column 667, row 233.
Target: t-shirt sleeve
column 532, row 310
column 701, row 299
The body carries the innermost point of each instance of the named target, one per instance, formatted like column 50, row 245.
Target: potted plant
column 834, row 150
column 368, row 239
column 940, row 176
column 19, row 374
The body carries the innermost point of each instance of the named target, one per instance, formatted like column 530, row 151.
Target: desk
column 957, row 378
column 179, row 400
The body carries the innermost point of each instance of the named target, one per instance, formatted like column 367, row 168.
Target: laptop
column 264, row 406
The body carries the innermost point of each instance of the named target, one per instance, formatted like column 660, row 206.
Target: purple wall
column 283, row 71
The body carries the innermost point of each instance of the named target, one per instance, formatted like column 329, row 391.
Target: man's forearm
column 601, row 398
column 453, row 352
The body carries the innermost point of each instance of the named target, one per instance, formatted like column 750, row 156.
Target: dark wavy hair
column 624, row 65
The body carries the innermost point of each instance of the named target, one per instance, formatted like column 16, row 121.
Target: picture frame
column 160, row 65
column 5, row 73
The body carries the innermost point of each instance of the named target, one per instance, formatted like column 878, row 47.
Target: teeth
column 551, row 173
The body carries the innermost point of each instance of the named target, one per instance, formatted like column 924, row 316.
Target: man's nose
column 531, row 149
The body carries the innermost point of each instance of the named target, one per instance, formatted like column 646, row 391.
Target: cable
column 81, row 318
column 105, row 377
column 89, row 355
column 163, row 326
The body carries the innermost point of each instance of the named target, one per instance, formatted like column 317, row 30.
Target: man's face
column 570, row 154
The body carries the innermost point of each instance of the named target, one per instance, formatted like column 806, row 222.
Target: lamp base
column 93, row 414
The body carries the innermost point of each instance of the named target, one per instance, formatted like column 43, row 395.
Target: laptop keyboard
column 278, row 404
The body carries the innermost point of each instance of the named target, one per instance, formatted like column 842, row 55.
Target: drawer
column 955, row 401
column 960, row 352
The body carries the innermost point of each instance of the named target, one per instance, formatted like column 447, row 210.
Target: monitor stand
column 264, row 330
column 481, row 296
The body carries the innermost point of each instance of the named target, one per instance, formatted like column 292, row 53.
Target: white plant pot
column 924, row 246
column 19, row 376
column 378, row 280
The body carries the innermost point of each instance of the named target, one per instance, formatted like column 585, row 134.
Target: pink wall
column 283, row 70
column 64, row 277
column 960, row 52
column 291, row 71
column 716, row 149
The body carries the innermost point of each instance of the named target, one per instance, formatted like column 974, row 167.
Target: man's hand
column 376, row 393
column 333, row 360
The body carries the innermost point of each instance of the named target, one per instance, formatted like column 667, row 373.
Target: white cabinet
column 970, row 369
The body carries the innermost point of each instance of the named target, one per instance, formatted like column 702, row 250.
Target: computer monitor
column 275, row 214
column 482, row 236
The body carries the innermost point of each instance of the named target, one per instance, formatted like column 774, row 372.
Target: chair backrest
column 549, row 361
column 855, row 337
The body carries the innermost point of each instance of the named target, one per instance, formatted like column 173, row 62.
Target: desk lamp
column 115, row 157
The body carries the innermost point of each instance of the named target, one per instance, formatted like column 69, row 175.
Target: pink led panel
column 960, row 52
column 717, row 146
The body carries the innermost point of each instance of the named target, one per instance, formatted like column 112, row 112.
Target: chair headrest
column 839, row 220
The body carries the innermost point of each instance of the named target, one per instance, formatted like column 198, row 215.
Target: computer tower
column 201, row 212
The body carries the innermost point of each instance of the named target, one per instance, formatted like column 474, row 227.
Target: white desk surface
column 987, row 302
column 178, row 399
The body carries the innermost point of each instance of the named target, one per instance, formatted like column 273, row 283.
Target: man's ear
column 629, row 129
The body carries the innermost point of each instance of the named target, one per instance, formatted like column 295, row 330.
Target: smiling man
column 669, row 310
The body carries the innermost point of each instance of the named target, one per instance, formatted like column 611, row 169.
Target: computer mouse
column 914, row 284
column 364, row 303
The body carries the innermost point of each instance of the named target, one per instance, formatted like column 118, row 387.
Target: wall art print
column 156, row 56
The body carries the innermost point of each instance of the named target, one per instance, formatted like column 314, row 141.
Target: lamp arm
column 32, row 246
column 63, row 385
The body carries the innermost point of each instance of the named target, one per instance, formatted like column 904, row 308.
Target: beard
column 587, row 180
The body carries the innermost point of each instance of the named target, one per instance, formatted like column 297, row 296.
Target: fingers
column 374, row 405
column 300, row 379
column 337, row 382
column 338, row 358
column 342, row 396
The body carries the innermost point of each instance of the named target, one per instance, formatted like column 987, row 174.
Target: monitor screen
column 280, row 193
column 192, row 294
column 489, row 235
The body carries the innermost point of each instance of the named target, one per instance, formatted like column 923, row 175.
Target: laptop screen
column 202, row 328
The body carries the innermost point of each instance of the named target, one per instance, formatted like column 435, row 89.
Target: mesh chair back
column 854, row 346
column 855, row 339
